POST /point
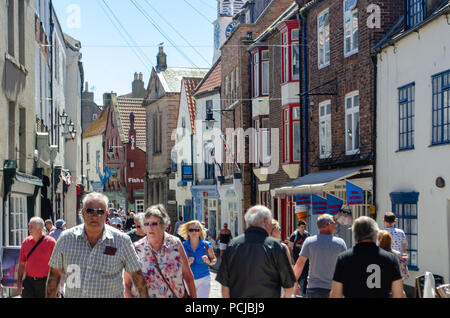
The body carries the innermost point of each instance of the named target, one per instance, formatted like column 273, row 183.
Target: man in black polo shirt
column 256, row 265
column 366, row 271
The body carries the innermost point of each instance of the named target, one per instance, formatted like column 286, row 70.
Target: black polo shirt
column 255, row 265
column 367, row 271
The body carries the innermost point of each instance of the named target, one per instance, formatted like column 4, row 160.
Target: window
column 295, row 57
column 441, row 108
column 12, row 131
column 415, row 12
column 237, row 82
column 352, row 123
column 406, row 116
column 291, row 134
column 87, row 153
column 323, row 26
column 227, row 91
column 140, row 206
column 17, row 220
column 94, row 117
column 350, row 28
column 265, row 142
column 256, row 74
column 265, row 73
column 174, row 162
column 404, row 206
column 232, row 87
column 325, row 129
column 286, row 62
column 10, row 26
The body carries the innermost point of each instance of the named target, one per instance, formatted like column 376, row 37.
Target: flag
column 334, row 204
column 303, row 199
column 319, row 204
column 354, row 194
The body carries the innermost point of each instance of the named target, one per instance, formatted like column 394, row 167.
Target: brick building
column 236, row 99
column 333, row 119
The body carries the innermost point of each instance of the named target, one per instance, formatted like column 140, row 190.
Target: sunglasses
column 95, row 211
column 194, row 230
column 151, row 224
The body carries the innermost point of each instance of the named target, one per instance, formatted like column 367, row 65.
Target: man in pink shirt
column 35, row 255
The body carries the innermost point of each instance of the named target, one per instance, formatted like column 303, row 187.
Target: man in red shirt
column 35, row 263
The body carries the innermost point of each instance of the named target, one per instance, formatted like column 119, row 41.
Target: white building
column 413, row 136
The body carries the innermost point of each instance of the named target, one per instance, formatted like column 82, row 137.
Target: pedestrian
column 255, row 265
column 177, row 225
column 164, row 261
column 137, row 233
column 295, row 244
column 60, row 227
column 93, row 256
column 322, row 251
column 200, row 255
column 49, row 226
column 385, row 242
column 116, row 220
column 35, row 254
column 129, row 223
column 366, row 270
column 398, row 235
column 224, row 238
column 121, row 212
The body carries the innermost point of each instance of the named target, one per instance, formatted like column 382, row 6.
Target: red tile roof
column 125, row 107
column 190, row 84
column 98, row 126
column 212, row 80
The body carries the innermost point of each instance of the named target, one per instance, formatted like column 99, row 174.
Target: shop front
column 208, row 207
column 231, row 197
column 301, row 199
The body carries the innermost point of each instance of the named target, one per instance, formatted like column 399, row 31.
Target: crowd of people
column 118, row 254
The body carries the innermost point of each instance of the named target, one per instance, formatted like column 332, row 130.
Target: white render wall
column 415, row 58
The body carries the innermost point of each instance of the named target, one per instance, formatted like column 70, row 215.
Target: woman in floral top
column 162, row 253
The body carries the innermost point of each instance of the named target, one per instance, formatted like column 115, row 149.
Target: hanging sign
column 334, row 204
column 354, row 194
column 319, row 204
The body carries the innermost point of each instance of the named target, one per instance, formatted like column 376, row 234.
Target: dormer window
column 415, row 12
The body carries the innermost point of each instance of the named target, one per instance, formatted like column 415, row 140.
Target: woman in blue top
column 200, row 255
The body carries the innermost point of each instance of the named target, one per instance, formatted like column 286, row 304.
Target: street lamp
column 63, row 118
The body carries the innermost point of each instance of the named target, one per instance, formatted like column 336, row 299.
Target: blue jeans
column 317, row 293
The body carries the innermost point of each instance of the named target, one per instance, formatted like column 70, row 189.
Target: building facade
column 411, row 129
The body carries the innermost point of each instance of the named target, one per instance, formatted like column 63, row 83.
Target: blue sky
column 110, row 63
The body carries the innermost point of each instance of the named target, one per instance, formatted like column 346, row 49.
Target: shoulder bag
column 35, row 246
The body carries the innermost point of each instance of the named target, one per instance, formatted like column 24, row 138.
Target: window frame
column 419, row 12
column 326, row 119
column 258, row 141
column 289, row 139
column 17, row 220
column 325, row 63
column 440, row 88
column 408, row 118
column 403, row 200
column 288, row 45
column 352, row 11
column 352, row 111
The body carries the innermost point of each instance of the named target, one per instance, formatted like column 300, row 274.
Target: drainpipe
column 53, row 140
column 374, row 132
column 253, row 186
column 305, row 97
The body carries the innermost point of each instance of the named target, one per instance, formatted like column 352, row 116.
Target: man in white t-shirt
column 398, row 236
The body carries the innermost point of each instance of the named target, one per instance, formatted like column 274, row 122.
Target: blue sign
column 334, row 204
column 187, row 173
column 319, row 204
column 303, row 199
column 354, row 194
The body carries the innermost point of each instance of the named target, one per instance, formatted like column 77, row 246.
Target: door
column 212, row 223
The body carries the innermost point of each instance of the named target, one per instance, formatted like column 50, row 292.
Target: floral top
column 169, row 260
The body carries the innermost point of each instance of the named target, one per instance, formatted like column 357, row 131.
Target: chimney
column 87, row 87
column 161, row 59
column 87, row 97
column 138, row 86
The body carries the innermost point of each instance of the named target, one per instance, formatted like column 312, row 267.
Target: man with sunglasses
column 93, row 256
column 137, row 233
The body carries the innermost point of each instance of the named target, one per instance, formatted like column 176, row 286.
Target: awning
column 316, row 181
column 26, row 178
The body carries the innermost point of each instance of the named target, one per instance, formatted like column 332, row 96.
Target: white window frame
column 17, row 220
column 139, row 203
column 265, row 64
column 353, row 110
column 287, row 137
column 325, row 135
column 286, row 57
column 322, row 31
column 352, row 14
column 294, row 44
column 265, row 149
column 256, row 74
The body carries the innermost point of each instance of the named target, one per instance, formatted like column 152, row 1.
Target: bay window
column 261, row 141
column 290, row 51
column 291, row 134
